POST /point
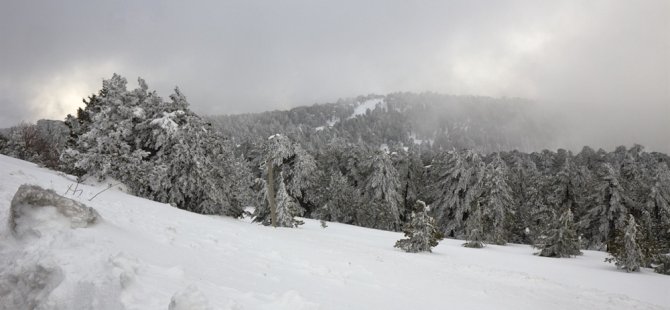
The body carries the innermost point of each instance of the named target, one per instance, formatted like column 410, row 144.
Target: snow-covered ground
column 370, row 104
column 143, row 255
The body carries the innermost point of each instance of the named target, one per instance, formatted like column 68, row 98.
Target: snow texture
column 145, row 255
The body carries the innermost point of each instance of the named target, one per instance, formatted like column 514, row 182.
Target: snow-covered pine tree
column 302, row 174
column 410, row 172
column 526, row 190
column 564, row 193
column 562, row 239
column 658, row 206
column 475, row 230
column 276, row 150
column 381, row 194
column 497, row 201
column 160, row 149
column 420, row 230
column 281, row 158
column 341, row 200
column 455, row 184
column 628, row 256
column 287, row 207
column 109, row 147
column 608, row 212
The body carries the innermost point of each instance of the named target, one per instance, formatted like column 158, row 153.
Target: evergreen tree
column 474, row 228
column 287, row 208
column 497, row 201
column 608, row 212
column 420, row 230
column 456, row 182
column 564, row 187
column 561, row 240
column 525, row 182
column 341, row 200
column 381, row 194
column 628, row 256
column 278, row 151
column 658, row 207
column 159, row 149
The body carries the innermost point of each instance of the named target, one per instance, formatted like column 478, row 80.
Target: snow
column 418, row 141
column 147, row 255
column 333, row 121
column 166, row 121
column 139, row 112
column 384, row 147
column 366, row 105
column 319, row 128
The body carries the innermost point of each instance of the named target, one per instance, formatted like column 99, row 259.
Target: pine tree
column 283, row 183
column 628, row 256
column 421, row 232
column 159, row 149
column 608, row 212
column 474, row 228
column 341, row 200
column 525, row 184
column 561, row 240
column 382, row 200
column 456, row 182
column 287, row 208
column 658, row 207
column 497, row 201
column 564, row 187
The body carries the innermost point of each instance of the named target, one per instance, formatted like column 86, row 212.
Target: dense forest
column 368, row 162
column 438, row 122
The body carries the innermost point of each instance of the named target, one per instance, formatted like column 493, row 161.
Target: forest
column 474, row 162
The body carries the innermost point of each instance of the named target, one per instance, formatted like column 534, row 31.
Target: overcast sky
column 607, row 63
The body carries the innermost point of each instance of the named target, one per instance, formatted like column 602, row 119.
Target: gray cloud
column 605, row 65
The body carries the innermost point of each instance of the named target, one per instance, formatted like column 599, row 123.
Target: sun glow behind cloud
column 61, row 94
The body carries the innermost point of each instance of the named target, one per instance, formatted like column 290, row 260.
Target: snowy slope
column 144, row 253
column 370, row 104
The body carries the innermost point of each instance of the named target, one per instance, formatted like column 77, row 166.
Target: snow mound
column 26, row 284
column 291, row 300
column 32, row 204
column 189, row 299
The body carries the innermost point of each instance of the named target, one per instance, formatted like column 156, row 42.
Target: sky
column 603, row 66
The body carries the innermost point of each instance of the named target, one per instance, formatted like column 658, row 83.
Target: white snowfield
column 147, row 255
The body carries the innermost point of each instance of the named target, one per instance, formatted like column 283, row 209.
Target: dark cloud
column 604, row 64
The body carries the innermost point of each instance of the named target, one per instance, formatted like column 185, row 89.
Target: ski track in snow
column 144, row 254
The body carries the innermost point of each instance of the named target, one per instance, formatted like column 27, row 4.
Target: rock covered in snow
column 29, row 197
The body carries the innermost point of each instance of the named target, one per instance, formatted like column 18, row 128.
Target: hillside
column 143, row 254
column 441, row 122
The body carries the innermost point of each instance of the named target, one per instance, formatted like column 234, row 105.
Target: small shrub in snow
column 421, row 231
column 663, row 265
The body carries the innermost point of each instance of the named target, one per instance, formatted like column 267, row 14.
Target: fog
column 604, row 66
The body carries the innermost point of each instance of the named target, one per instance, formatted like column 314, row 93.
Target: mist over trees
column 367, row 162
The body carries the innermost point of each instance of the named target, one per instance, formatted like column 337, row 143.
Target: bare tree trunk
column 271, row 192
